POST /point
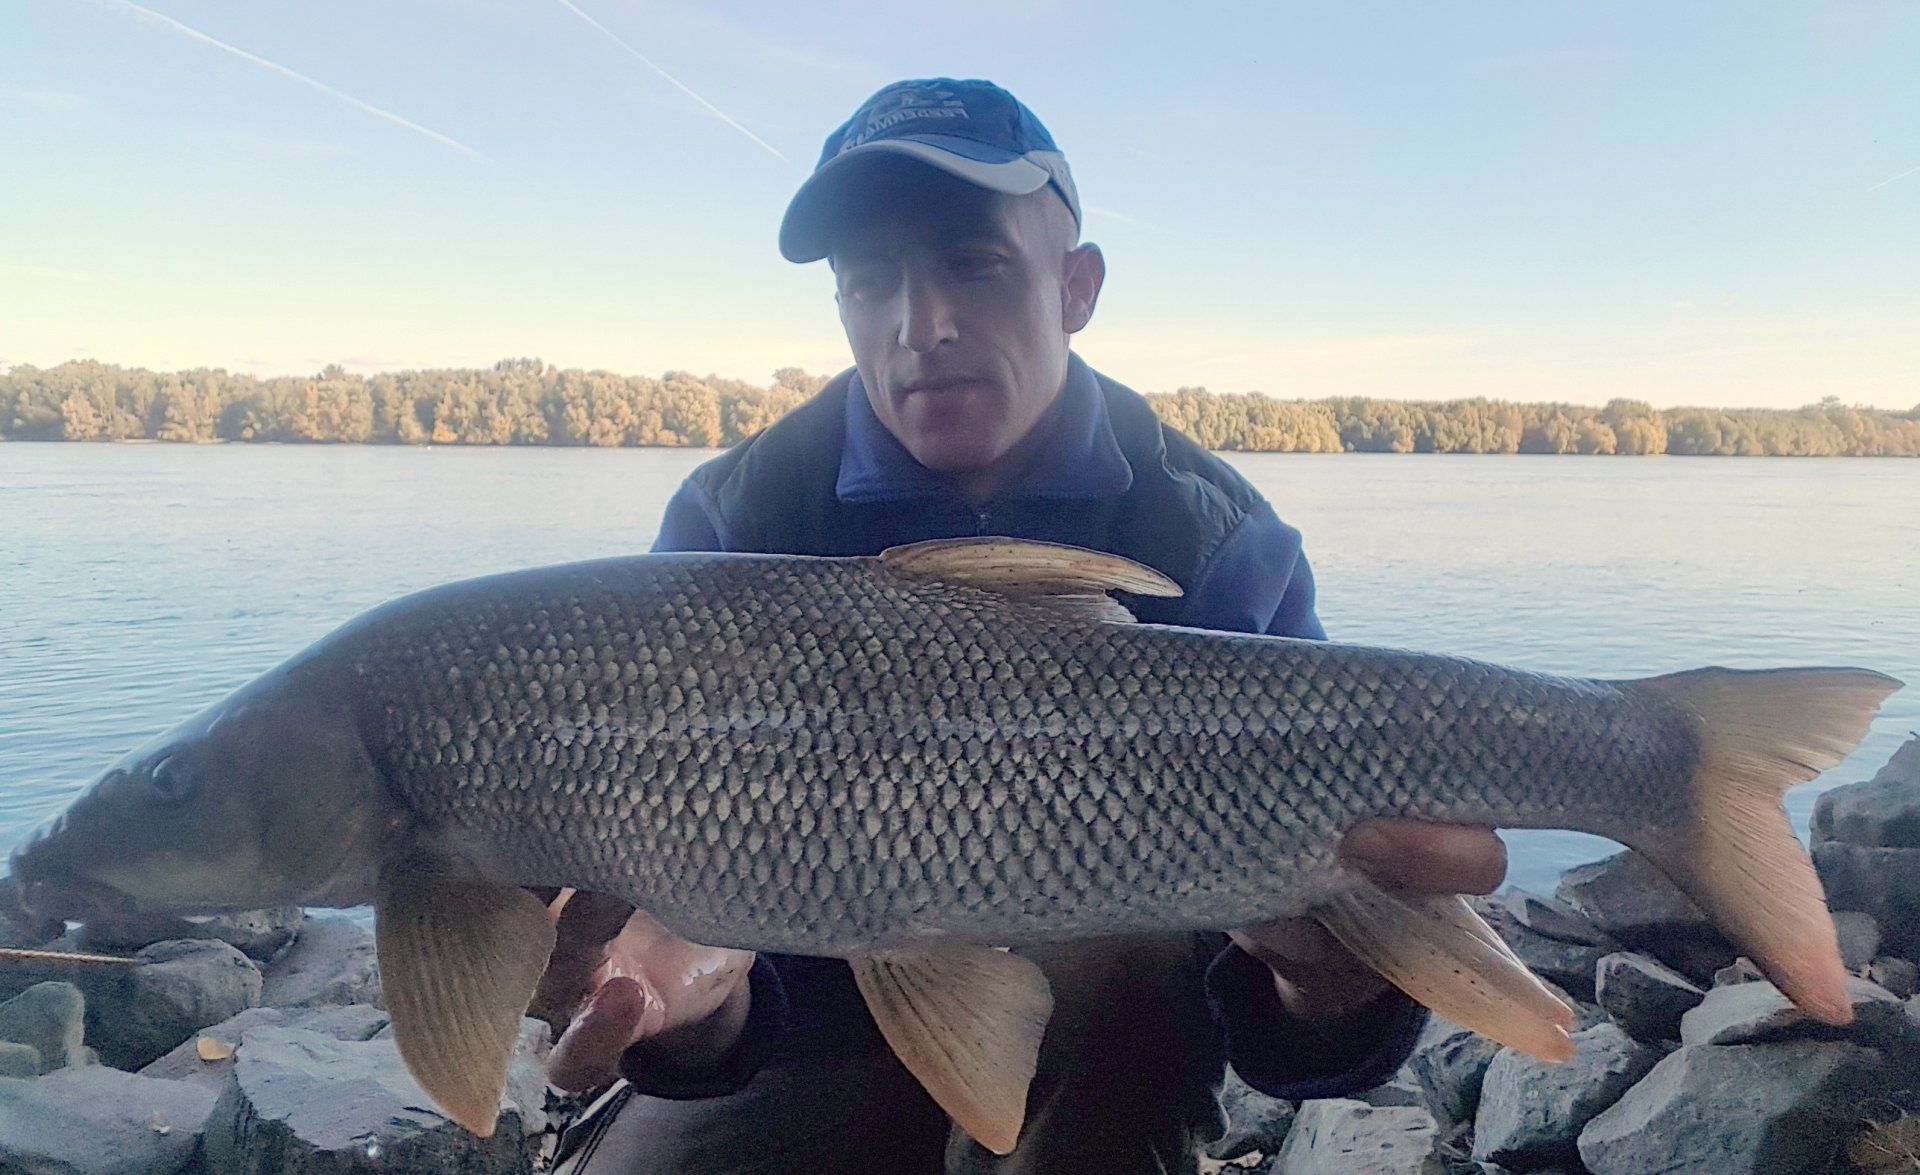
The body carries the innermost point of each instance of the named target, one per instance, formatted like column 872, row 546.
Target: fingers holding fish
column 639, row 991
column 1427, row 858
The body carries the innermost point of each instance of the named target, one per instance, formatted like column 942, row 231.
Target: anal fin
column 459, row 961
column 1438, row 950
column 967, row 1023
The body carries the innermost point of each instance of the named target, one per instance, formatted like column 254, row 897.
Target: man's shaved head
column 959, row 303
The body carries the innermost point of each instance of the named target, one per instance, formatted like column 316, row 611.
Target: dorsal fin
column 1027, row 570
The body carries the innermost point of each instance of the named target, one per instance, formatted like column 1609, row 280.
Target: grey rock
column 100, row 1121
column 18, row 1060
column 1256, row 1123
column 1883, row 811
column 1752, row 1013
column 1556, row 919
column 301, row 1103
column 1338, row 1136
column 1898, row 976
column 1627, row 898
column 1644, row 996
column 1625, row 895
column 1450, row 1072
column 1883, row 882
column 52, row 1018
column 1741, row 970
column 1401, row 1090
column 346, row 1022
column 261, row 935
column 1532, row 1111
column 137, row 1014
column 1568, row 965
column 1859, row 938
column 331, row 962
column 1778, row 1109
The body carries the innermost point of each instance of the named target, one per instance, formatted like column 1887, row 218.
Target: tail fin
column 1760, row 733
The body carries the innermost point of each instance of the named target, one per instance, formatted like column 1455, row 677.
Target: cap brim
column 802, row 230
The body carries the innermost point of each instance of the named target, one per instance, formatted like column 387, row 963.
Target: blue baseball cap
column 971, row 129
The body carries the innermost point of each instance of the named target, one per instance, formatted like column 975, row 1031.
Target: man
column 951, row 225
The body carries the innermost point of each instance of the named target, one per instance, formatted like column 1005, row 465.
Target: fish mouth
column 60, row 895
column 42, row 887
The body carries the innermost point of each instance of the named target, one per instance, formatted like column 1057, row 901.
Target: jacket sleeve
column 690, row 522
column 1284, row 1056
column 1258, row 580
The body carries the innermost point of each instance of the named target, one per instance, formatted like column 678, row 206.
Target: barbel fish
column 911, row 760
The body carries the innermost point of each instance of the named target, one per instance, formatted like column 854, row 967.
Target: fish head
column 267, row 798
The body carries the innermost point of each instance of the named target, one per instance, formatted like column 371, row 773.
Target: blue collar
column 1081, row 457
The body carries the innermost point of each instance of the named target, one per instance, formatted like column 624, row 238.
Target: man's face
column 958, row 303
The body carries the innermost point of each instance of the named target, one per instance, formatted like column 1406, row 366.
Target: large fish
column 907, row 761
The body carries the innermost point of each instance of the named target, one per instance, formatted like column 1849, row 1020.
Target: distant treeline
column 527, row 402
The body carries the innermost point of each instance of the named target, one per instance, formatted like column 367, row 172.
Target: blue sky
column 1704, row 203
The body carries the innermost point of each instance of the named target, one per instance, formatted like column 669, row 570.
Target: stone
column 1256, row 1123
column 186, row 1063
column 1752, row 1013
column 98, row 1121
column 1883, row 882
column 1450, row 1071
column 1644, row 996
column 1401, row 1090
column 261, row 935
column 1532, row 1111
column 331, row 962
column 1630, row 900
column 137, row 1014
column 1883, row 811
column 1339, row 1136
column 1556, row 919
column 1776, row 1109
column 52, row 1018
column 1898, row 976
column 1741, row 970
column 1859, row 938
column 1568, row 965
column 18, row 1060
column 301, row 1103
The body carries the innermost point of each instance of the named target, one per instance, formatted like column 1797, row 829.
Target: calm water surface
column 139, row 582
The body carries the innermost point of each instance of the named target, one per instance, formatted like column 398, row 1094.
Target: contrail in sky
column 152, row 17
column 717, row 112
column 1903, row 175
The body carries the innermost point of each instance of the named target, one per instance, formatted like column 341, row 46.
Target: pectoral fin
column 459, row 961
column 967, row 1023
column 1438, row 950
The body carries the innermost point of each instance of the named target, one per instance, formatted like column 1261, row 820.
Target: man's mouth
column 945, row 384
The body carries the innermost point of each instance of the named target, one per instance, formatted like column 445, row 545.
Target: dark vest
column 774, row 492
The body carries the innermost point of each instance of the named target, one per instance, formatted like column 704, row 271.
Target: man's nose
column 926, row 316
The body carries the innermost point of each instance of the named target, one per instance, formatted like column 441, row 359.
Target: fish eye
column 170, row 778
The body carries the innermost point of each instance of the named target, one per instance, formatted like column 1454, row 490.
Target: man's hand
column 620, row 980
column 1316, row 977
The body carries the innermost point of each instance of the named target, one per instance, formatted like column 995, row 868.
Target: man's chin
column 955, row 457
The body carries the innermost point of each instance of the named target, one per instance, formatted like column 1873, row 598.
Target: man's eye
column 977, row 264
column 864, row 284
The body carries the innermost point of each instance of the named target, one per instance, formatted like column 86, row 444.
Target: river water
column 139, row 582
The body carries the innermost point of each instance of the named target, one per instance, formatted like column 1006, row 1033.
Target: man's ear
column 1082, row 274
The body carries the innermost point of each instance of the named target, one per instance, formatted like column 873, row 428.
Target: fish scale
column 825, row 757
